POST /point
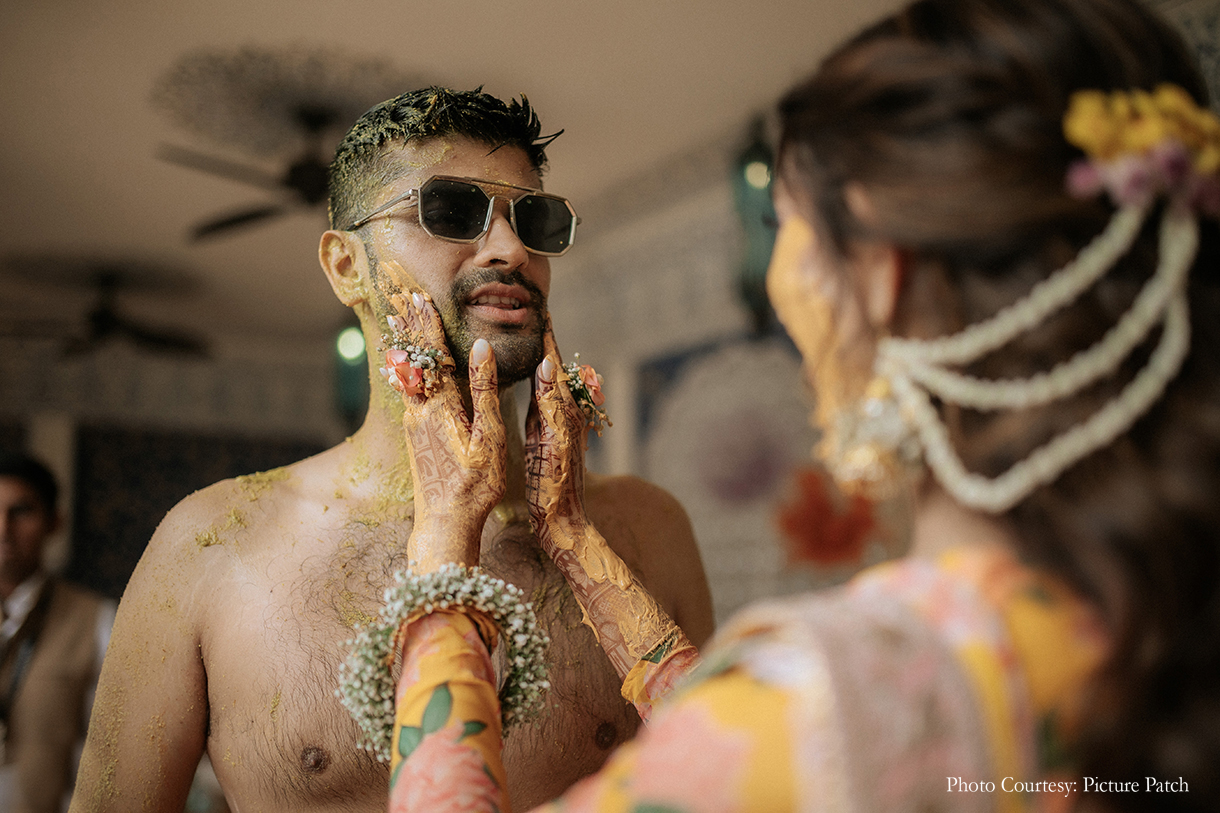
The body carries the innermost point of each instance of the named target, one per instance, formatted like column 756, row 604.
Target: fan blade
column 227, row 222
column 37, row 277
column 255, row 176
column 162, row 339
column 34, row 328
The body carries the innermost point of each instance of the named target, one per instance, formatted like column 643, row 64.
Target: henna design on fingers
column 626, row 619
column 458, row 462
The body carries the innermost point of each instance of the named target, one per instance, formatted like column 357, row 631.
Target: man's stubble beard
column 518, row 349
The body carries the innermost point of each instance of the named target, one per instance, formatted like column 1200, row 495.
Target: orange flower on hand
column 402, row 374
column 593, row 383
column 586, row 387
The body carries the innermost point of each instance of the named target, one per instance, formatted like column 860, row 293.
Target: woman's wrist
column 437, row 539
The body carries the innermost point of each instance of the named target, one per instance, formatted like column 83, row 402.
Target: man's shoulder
column 631, row 499
column 641, row 521
column 237, row 503
column 649, row 529
column 196, row 511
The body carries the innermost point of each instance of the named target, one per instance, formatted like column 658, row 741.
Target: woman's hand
column 627, row 620
column 555, row 439
column 457, row 463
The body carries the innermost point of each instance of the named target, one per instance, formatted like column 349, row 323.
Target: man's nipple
column 605, row 736
column 314, row 760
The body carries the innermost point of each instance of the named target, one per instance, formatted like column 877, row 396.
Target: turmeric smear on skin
column 255, row 485
column 351, row 615
column 212, row 536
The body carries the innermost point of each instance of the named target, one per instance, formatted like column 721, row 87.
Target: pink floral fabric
column 654, row 677
column 444, row 775
column 857, row 698
column 690, row 763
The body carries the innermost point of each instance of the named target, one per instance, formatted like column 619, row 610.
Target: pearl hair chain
column 916, row 368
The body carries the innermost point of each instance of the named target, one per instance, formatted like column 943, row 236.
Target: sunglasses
column 459, row 210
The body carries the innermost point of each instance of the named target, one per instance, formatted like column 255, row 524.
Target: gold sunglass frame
column 479, row 183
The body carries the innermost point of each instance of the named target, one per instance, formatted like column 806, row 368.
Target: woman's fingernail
column 547, row 368
column 480, row 351
column 418, row 299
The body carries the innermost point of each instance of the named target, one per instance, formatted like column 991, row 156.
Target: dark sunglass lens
column 453, row 209
column 544, row 224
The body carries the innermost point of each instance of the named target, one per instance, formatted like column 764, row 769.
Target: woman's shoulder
column 868, row 679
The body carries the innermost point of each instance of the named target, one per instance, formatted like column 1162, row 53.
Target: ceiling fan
column 290, row 105
column 304, row 179
column 45, row 285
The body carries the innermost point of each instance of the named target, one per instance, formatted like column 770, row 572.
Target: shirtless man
column 231, row 631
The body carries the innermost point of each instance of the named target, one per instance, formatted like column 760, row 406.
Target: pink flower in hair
column 1132, row 180
column 1172, row 162
column 1084, row 181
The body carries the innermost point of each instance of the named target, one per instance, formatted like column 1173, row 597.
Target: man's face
column 25, row 523
column 492, row 288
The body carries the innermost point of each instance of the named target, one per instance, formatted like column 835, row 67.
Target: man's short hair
column 358, row 170
column 34, row 474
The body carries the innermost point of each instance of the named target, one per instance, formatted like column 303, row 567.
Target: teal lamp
column 752, row 172
column 351, row 376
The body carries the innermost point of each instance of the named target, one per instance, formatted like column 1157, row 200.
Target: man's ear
column 342, row 256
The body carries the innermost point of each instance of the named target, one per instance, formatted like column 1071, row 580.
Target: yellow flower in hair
column 1176, row 101
column 1091, row 126
column 1207, row 160
column 1142, row 133
column 1140, row 145
column 1106, row 126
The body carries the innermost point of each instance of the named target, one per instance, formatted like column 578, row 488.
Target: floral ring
column 410, row 367
column 586, row 387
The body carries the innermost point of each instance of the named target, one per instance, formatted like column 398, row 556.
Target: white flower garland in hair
column 1139, row 147
column 1179, row 241
column 366, row 685
column 1054, row 293
column 915, row 369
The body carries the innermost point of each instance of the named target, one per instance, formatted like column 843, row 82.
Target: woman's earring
column 868, row 447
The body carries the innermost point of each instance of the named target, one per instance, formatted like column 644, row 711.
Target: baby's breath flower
column 366, row 687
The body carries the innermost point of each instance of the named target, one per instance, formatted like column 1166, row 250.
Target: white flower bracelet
column 366, row 685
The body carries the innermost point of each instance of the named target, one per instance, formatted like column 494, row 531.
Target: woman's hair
column 948, row 116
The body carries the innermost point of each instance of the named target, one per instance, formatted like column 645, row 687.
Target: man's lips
column 500, row 303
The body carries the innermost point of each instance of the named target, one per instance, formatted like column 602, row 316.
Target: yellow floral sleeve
column 714, row 748
column 654, row 676
column 760, row 729
column 447, row 737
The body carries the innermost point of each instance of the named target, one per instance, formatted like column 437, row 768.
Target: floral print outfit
column 868, row 697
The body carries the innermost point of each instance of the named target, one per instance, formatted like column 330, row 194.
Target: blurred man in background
column 52, row 638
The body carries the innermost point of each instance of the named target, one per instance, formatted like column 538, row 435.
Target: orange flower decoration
column 402, row 374
column 820, row 532
column 593, row 383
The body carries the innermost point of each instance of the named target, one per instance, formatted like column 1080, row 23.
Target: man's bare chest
column 277, row 730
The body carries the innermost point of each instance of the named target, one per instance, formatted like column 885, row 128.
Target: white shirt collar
column 19, row 603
